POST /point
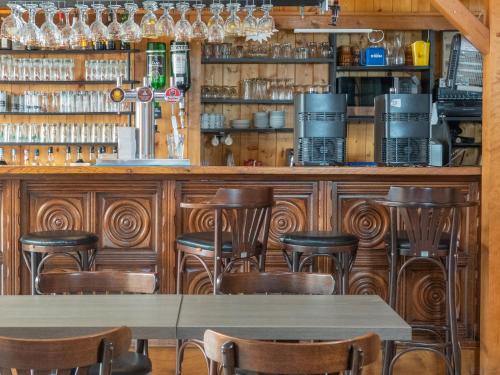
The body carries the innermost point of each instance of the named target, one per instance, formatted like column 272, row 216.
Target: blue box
column 373, row 56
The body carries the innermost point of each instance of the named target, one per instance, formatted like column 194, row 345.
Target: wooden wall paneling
column 166, row 247
column 5, row 267
column 363, row 5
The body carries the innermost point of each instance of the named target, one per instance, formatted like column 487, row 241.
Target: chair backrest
column 248, row 215
column 28, row 356
column 425, row 213
column 97, row 282
column 276, row 283
column 291, row 358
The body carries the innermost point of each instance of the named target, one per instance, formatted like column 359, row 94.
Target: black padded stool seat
column 319, row 239
column 59, row 238
column 205, row 241
column 131, row 363
column 404, row 244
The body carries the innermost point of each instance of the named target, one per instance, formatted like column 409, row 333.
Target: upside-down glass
column 149, row 20
column 249, row 27
column 183, row 30
column 265, row 24
column 98, row 29
column 51, row 35
column 31, row 36
column 81, row 36
column 114, row 28
column 165, row 25
column 232, row 26
column 216, row 24
column 12, row 24
column 200, row 29
column 66, row 30
column 131, row 32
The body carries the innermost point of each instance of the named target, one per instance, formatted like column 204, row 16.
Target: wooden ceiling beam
column 465, row 22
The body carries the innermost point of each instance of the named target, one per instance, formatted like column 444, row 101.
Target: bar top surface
column 201, row 171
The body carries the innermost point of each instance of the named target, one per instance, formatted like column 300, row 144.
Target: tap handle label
column 173, row 95
column 144, row 94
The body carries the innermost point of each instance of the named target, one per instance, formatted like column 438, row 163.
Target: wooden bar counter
column 135, row 212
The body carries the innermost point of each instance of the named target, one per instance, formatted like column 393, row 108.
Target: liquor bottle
column 79, row 156
column 101, row 151
column 179, row 63
column 156, row 62
column 26, row 157
column 51, row 161
column 67, row 159
column 36, row 158
column 115, row 151
column 13, row 156
column 91, row 154
column 2, row 159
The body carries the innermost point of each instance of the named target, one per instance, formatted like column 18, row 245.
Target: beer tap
column 335, row 8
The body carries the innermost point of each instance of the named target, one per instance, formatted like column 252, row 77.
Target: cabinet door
column 294, row 209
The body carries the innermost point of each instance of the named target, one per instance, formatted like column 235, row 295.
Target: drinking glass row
column 105, row 70
column 14, row 69
column 59, row 133
column 62, row 101
column 276, row 50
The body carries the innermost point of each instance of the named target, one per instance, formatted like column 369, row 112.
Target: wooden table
column 184, row 317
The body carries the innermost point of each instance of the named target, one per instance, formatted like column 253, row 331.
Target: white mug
column 228, row 141
column 215, row 141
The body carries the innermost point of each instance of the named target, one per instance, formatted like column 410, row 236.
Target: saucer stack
column 261, row 120
column 277, row 119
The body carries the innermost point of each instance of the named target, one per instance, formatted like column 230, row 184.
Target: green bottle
column 179, row 65
column 156, row 63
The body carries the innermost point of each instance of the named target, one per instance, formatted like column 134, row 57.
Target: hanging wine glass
column 249, row 27
column 114, row 28
column 98, row 29
column 265, row 24
column 200, row 28
column 31, row 37
column 131, row 32
column 51, row 35
column 12, row 24
column 81, row 36
column 232, row 26
column 149, row 20
column 165, row 25
column 183, row 30
column 216, row 24
column 66, row 30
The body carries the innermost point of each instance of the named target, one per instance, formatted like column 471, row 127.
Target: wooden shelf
column 58, row 143
column 249, row 130
column 67, row 52
column 63, row 113
column 267, row 60
column 65, row 82
column 466, row 145
column 462, row 119
column 244, row 101
column 390, row 68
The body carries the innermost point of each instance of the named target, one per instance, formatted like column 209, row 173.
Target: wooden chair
column 276, row 283
column 428, row 227
column 233, row 353
column 247, row 213
column 106, row 282
column 44, row 356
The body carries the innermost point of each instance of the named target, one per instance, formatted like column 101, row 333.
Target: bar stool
column 424, row 215
column 339, row 247
column 39, row 247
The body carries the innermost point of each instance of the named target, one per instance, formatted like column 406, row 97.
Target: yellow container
column 421, row 52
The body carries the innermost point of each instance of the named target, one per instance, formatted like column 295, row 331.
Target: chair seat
column 59, row 238
column 404, row 243
column 319, row 239
column 130, row 363
column 205, row 241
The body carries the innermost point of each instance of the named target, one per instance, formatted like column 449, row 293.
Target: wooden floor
column 414, row 364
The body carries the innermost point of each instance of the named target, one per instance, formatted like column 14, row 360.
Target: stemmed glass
column 265, row 24
column 165, row 25
column 98, row 29
column 81, row 36
column 200, row 29
column 216, row 24
column 114, row 28
column 51, row 35
column 31, row 36
column 12, row 24
column 232, row 26
column 249, row 22
column 183, row 30
column 149, row 20
column 131, row 32
column 66, row 30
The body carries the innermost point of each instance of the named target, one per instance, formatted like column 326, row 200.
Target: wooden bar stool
column 429, row 219
column 339, row 247
column 39, row 247
column 247, row 214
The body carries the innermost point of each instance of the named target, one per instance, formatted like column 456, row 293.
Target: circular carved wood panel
column 58, row 214
column 368, row 222
column 127, row 223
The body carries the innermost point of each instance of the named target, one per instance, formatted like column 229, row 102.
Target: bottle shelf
column 65, row 82
column 64, row 113
column 384, row 68
column 248, row 130
column 58, row 143
column 244, row 101
column 466, row 145
column 267, row 60
column 66, row 52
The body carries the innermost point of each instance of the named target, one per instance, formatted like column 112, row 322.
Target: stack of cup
column 277, row 119
column 261, row 120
